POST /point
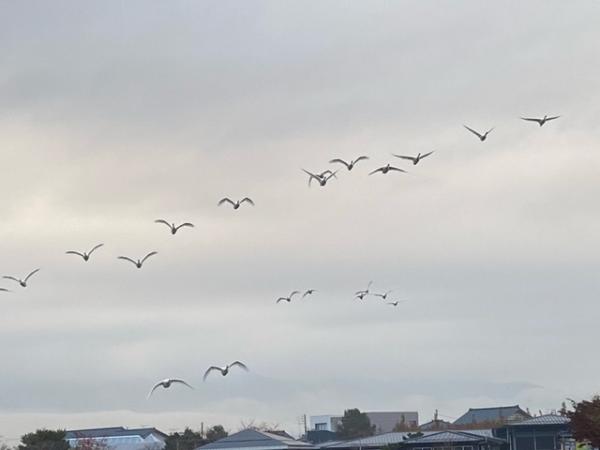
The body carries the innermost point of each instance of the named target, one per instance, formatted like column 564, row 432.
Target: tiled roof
column 548, row 419
column 499, row 413
column 371, row 441
column 452, row 436
column 257, row 440
column 384, row 439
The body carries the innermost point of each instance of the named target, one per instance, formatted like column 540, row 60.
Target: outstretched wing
column 177, row 380
column 4, row 290
column 185, row 224
column 209, row 370
column 331, row 175
column 11, row 278
column 73, row 252
column 156, row 386
column 226, row 200
column 311, row 176
column 531, row 119
column 163, row 221
column 127, row 259
column 247, row 199
column 239, row 364
column 397, row 170
column 30, row 275
column 489, row 131
column 473, row 131
column 294, row 293
column 308, row 292
column 338, row 160
column 148, row 256
column 376, row 170
column 410, row 158
column 95, row 248
column 551, row 118
column 282, row 299
column 360, row 158
column 427, row 154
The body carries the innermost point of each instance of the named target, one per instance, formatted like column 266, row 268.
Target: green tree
column 44, row 440
column 188, row 440
column 355, row 425
column 215, row 433
column 585, row 420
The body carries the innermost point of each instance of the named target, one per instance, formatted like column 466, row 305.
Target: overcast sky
column 113, row 114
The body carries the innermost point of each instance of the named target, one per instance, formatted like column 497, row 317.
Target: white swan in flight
column 174, row 229
column 541, row 121
column 138, row 263
column 482, row 137
column 22, row 282
column 349, row 165
column 166, row 383
column 84, row 255
column 237, row 204
column 224, row 370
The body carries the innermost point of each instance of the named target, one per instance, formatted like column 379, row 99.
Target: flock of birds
column 322, row 178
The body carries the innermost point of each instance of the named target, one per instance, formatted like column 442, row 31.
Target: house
column 384, row 421
column 494, row 415
column 379, row 441
column 546, row 432
column 454, row 440
column 119, row 438
column 436, row 424
column 251, row 439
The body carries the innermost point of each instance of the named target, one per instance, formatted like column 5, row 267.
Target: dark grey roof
column 548, row 419
column 378, row 440
column 112, row 432
column 257, row 440
column 381, row 440
column 498, row 413
column 450, row 436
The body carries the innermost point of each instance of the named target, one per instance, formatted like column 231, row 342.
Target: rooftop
column 383, row 439
column 494, row 414
column 547, row 419
column 257, row 440
column 450, row 436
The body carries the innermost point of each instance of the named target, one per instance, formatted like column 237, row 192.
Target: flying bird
column 237, row 204
column 85, row 255
column 349, row 165
column 224, row 370
column 287, row 299
column 393, row 303
column 482, row 137
column 361, row 295
column 415, row 159
column 383, row 296
column 385, row 169
column 139, row 262
column 166, row 383
column 321, row 178
column 541, row 121
column 365, row 291
column 308, row 292
column 23, row 282
column 172, row 226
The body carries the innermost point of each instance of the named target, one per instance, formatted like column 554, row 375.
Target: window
column 320, row 426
